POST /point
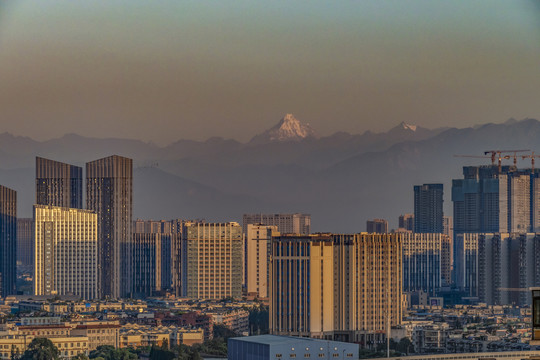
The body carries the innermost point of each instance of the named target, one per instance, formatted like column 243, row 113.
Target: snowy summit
column 288, row 129
column 406, row 126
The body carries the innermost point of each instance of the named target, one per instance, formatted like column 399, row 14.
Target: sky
column 169, row 70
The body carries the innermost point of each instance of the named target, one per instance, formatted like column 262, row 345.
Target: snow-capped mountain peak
column 406, row 126
column 288, row 129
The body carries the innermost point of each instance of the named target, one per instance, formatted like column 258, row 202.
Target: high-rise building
column 25, row 243
column 58, row 184
column 66, row 245
column 286, row 223
column 489, row 200
column 341, row 287
column 170, row 232
column 211, row 260
column 428, row 208
column 109, row 183
column 426, row 262
column 8, row 241
column 377, row 226
column 147, row 264
column 492, row 266
column 406, row 222
column 258, row 241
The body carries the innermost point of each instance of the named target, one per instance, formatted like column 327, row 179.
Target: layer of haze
column 166, row 70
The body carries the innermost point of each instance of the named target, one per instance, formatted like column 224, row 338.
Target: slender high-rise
column 8, row 240
column 428, row 208
column 58, row 184
column 109, row 183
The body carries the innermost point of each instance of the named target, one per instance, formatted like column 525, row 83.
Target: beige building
column 340, row 287
column 17, row 344
column 66, row 259
column 212, row 260
column 258, row 246
column 98, row 333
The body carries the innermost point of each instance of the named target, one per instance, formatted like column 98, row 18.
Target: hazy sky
column 164, row 70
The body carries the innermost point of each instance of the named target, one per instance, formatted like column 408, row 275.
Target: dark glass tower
column 58, row 184
column 428, row 208
column 8, row 240
column 109, row 183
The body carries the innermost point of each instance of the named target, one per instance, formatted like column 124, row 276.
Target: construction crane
column 499, row 152
column 531, row 156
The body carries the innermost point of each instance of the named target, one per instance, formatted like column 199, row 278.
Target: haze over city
column 191, row 70
column 269, row 180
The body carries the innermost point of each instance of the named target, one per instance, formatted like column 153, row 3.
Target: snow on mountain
column 288, row 129
column 408, row 126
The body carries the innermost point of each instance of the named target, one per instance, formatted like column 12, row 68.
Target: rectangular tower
column 426, row 262
column 66, row 245
column 286, row 223
column 109, row 183
column 258, row 241
column 25, row 243
column 8, row 240
column 428, row 208
column 211, row 260
column 58, row 184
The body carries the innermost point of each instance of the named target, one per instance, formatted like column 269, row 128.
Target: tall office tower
column 426, row 262
column 428, row 208
column 25, row 243
column 342, row 287
column 147, row 264
column 165, row 246
column 377, row 226
column 286, row 223
column 487, row 200
column 406, row 222
column 211, row 260
column 66, row 243
column 109, row 193
column 58, row 184
column 258, row 241
column 8, row 241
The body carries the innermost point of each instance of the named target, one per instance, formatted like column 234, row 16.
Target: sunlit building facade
column 66, row 245
column 211, row 260
column 341, row 287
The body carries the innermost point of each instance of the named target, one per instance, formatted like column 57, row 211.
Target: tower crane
column 499, row 152
column 531, row 156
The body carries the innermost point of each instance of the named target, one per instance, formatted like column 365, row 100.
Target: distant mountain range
column 342, row 179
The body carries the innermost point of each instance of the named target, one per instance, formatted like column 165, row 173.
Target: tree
column 41, row 349
column 405, row 346
column 157, row 353
column 80, row 357
column 108, row 352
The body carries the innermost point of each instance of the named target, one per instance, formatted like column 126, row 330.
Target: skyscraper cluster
column 78, row 251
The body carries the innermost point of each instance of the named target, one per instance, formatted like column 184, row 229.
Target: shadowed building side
column 109, row 192
column 8, row 240
column 58, row 184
